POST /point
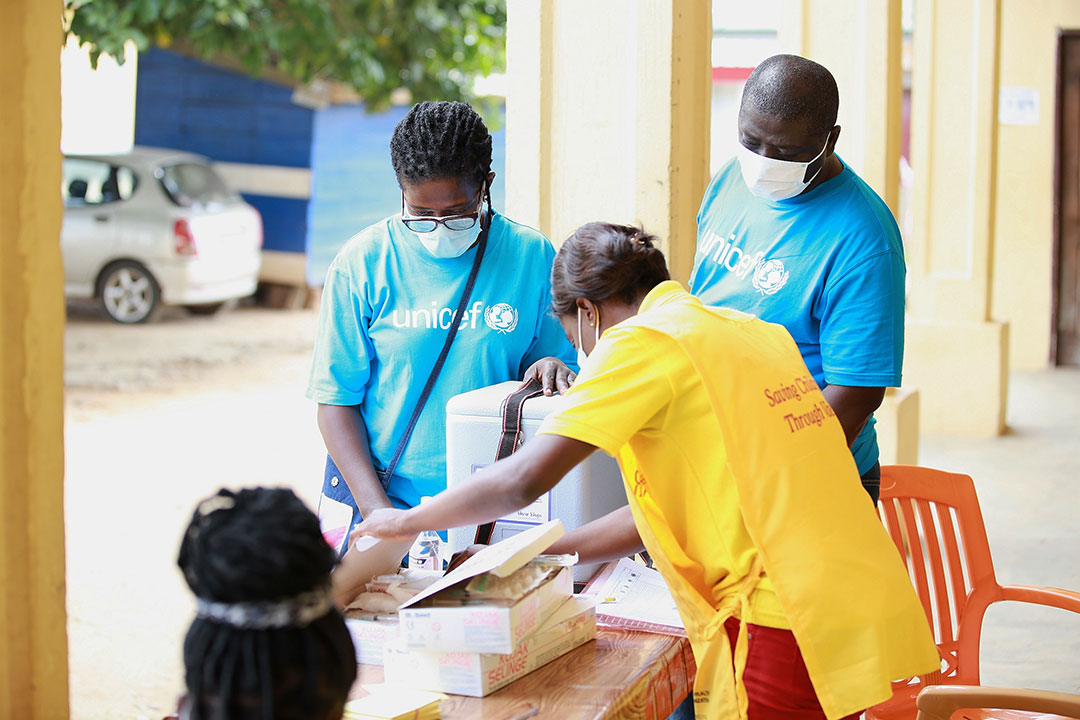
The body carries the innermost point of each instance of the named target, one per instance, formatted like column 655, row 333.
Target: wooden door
column 1067, row 203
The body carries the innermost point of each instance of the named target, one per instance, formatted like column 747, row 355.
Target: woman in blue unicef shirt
column 388, row 304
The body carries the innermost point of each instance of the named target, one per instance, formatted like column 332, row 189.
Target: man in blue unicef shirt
column 788, row 232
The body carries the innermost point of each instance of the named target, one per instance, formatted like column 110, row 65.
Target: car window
column 94, row 182
column 189, row 184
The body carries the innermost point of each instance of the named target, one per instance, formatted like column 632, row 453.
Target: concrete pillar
column 33, row 632
column 608, row 116
column 956, row 356
column 859, row 41
column 898, row 427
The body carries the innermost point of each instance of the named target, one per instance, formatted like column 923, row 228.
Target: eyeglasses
column 465, row 221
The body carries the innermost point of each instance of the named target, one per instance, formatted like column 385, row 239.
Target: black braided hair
column 262, row 545
column 440, row 140
column 601, row 261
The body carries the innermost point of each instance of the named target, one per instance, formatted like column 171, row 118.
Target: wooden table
column 621, row 675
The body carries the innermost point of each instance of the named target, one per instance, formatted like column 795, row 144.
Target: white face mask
column 442, row 242
column 773, row 179
column 581, row 354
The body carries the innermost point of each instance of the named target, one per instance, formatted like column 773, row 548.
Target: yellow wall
column 609, row 126
column 866, row 66
column 33, row 636
column 1023, row 258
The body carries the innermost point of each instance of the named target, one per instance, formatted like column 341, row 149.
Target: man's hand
column 552, row 373
column 384, row 523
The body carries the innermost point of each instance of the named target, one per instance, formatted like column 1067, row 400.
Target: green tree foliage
column 433, row 48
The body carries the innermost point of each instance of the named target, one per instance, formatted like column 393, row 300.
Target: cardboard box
column 371, row 633
column 483, row 627
column 477, row 674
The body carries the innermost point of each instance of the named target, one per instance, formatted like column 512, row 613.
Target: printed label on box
column 479, row 674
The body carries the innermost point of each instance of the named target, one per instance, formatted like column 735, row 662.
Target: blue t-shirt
column 828, row 265
column 386, row 307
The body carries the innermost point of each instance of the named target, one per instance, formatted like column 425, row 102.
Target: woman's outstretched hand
column 552, row 374
column 384, row 523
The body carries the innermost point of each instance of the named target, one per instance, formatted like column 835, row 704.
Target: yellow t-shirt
column 733, row 462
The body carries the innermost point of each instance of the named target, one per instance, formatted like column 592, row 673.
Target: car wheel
column 206, row 308
column 128, row 292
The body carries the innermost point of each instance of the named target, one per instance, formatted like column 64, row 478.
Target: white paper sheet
column 637, row 598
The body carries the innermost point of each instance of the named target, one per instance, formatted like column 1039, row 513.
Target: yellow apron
column 718, row 688
column 833, row 568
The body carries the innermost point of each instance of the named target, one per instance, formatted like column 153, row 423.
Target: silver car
column 152, row 227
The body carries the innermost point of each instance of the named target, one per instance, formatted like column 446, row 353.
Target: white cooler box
column 473, row 428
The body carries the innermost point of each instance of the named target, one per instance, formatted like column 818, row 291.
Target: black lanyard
column 386, row 474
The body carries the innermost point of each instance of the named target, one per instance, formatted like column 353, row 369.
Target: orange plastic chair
column 982, row 703
column 934, row 519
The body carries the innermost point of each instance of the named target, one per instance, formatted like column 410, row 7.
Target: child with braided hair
column 390, row 299
column 266, row 643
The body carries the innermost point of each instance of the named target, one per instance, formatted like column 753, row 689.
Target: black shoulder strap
column 512, row 408
column 458, row 314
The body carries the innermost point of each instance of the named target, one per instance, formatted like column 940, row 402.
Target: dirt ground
column 159, row 416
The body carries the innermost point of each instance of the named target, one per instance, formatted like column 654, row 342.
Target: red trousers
column 777, row 684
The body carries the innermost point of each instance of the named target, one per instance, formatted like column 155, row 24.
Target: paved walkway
column 1029, row 489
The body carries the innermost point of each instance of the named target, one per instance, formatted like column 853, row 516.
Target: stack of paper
column 637, row 598
column 395, row 702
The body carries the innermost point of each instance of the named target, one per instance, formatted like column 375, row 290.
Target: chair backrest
column 939, row 703
column 934, row 519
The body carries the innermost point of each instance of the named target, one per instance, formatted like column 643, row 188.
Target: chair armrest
column 939, row 702
column 1050, row 596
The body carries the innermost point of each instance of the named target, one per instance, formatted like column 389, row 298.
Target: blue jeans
column 685, row 711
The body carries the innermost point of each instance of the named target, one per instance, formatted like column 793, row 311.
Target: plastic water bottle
column 426, row 551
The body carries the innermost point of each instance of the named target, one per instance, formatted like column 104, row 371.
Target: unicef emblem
column 769, row 277
column 501, row 317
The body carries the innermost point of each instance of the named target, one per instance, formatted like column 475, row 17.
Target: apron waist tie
column 737, row 598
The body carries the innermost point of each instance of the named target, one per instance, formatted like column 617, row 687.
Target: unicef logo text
column 501, row 317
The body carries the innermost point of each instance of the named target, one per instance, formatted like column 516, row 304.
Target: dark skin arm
column 853, row 406
column 615, row 535
column 346, row 440
column 610, row 537
column 489, row 494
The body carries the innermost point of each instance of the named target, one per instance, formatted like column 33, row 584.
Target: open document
column 635, row 597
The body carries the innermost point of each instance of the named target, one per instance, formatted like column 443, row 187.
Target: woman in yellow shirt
column 740, row 483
